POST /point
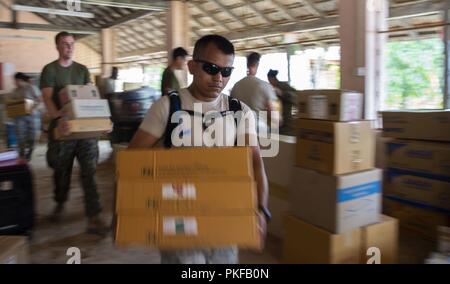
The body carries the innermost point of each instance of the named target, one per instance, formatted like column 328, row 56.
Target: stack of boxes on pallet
column 186, row 198
column 335, row 190
column 88, row 115
column 417, row 177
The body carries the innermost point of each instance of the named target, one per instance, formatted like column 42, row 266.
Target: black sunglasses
column 213, row 69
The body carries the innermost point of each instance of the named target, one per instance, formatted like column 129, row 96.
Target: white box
column 336, row 203
column 85, row 92
column 335, row 105
column 77, row 109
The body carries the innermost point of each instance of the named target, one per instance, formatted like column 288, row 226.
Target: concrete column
column 108, row 51
column 178, row 32
column 362, row 50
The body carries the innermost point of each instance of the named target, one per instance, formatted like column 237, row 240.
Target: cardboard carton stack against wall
column 335, row 191
column 186, row 198
column 88, row 115
column 417, row 177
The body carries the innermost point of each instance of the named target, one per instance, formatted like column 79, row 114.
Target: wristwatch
column 265, row 212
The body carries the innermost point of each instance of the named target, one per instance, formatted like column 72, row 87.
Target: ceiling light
column 52, row 11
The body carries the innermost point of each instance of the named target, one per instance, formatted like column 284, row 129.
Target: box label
column 317, row 136
column 359, row 191
column 178, row 191
column 176, row 226
column 6, row 185
column 318, row 107
column 352, row 106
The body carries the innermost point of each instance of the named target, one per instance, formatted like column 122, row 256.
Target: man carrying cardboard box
column 60, row 154
column 211, row 68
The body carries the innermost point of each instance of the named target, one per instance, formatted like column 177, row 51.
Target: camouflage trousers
column 60, row 157
column 26, row 135
column 228, row 255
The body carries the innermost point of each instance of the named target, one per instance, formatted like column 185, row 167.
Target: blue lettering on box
column 359, row 191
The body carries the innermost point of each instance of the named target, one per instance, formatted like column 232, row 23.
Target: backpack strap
column 174, row 106
column 234, row 105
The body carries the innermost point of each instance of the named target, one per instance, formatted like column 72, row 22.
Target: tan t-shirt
column 256, row 93
column 221, row 131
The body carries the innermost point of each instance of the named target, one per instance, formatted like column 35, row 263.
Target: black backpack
column 234, row 105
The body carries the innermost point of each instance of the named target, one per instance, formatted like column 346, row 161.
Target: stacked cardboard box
column 417, row 176
column 16, row 108
column 279, row 169
column 335, row 191
column 14, row 250
column 308, row 244
column 186, row 198
column 87, row 114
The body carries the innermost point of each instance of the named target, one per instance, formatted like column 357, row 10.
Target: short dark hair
column 179, row 51
column 60, row 35
column 272, row 73
column 253, row 59
column 220, row 42
column 22, row 76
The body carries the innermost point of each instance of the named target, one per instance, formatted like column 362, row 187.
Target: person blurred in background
column 27, row 126
column 256, row 93
column 109, row 84
column 287, row 96
column 169, row 81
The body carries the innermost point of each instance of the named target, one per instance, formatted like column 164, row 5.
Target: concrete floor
column 50, row 241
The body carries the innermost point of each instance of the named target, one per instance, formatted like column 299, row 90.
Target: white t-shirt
column 254, row 92
column 220, row 131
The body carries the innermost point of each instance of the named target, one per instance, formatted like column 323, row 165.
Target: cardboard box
column 79, row 109
column 421, row 187
column 85, row 92
column 15, row 108
column 421, row 125
column 14, row 250
column 278, row 170
column 383, row 236
column 85, row 128
column 188, row 230
column 279, row 167
column 336, row 203
column 278, row 207
column 192, row 163
column 426, row 157
column 416, row 217
column 307, row 244
column 444, row 239
column 336, row 105
column 198, row 195
column 335, row 147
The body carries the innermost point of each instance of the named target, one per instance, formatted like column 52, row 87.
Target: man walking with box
column 61, row 154
column 211, row 68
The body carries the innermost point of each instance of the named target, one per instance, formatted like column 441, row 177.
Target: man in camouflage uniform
column 61, row 154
